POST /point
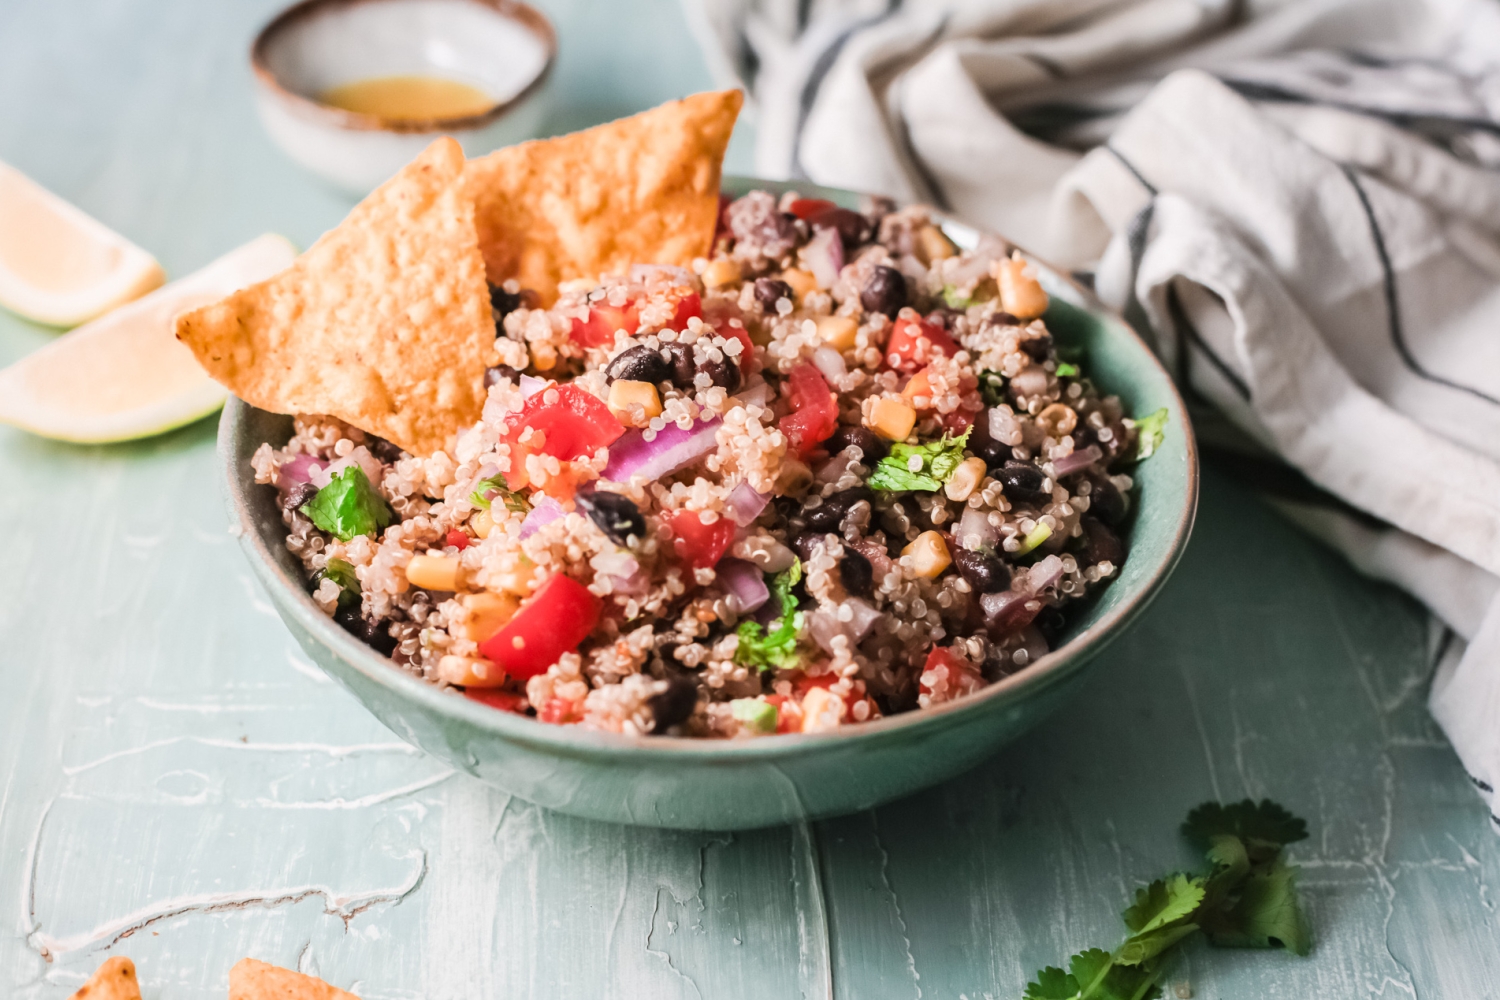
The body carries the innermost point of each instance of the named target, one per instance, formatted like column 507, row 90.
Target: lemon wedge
column 58, row 266
column 125, row 375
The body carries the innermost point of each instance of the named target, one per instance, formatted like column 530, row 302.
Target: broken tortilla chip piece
column 641, row 190
column 114, row 980
column 384, row 322
column 252, row 980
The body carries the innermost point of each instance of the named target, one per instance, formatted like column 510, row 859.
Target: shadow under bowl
column 503, row 48
column 742, row 784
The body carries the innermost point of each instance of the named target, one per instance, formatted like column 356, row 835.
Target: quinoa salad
column 837, row 470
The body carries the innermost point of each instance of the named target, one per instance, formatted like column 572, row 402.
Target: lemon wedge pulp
column 58, row 266
column 125, row 375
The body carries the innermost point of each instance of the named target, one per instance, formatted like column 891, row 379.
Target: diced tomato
column 505, row 701
column 457, row 539
column 815, row 411
column 913, row 343
column 698, row 544
column 728, row 321
column 604, row 319
column 560, row 712
column 957, row 422
column 576, row 422
column 688, row 306
column 786, row 722
column 559, row 616
column 810, row 208
column 955, row 675
column 802, row 683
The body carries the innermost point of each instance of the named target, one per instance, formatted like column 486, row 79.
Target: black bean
column 373, row 633
column 884, row 292
column 853, row 228
column 1022, row 482
column 1105, row 501
column 857, row 574
column 994, row 453
column 497, row 372
column 639, row 364
column 1050, row 622
column 674, row 705
column 1002, row 318
column 769, row 291
column 615, row 515
column 943, row 316
column 503, row 303
column 872, row 447
column 1100, row 543
column 383, row 449
column 680, row 364
column 985, row 573
column 299, row 495
column 1038, row 348
column 724, row 373
column 806, row 544
column 830, row 514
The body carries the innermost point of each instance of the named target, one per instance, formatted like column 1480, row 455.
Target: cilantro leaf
column 1052, row 983
column 779, row 649
column 1265, row 914
column 341, row 573
column 936, row 462
column 348, row 506
column 1150, row 431
column 1100, row 978
column 1265, row 821
column 1066, row 370
column 953, row 300
column 496, row 484
column 1163, row 902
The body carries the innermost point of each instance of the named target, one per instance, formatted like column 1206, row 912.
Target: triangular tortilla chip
column 252, row 980
column 384, row 323
column 114, row 980
column 643, row 189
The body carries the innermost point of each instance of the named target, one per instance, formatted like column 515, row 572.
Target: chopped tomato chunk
column 913, row 343
column 728, row 321
column 815, row 411
column 946, row 675
column 560, row 712
column 505, row 701
column 688, row 306
column 559, row 616
column 802, row 684
column 810, row 208
column 604, row 319
column 698, row 544
column 576, row 423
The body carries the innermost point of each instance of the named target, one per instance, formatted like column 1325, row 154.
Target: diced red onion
column 745, row 504
column 744, row 582
column 543, row 512
column 834, row 469
column 670, row 450
column 1078, row 460
column 1030, row 381
column 824, row 256
column 1009, row 610
column 880, row 560
column 297, row 470
column 531, row 385
column 1004, row 427
column 975, row 529
column 756, row 395
column 1044, row 574
column 824, row 625
column 645, row 272
column 830, row 363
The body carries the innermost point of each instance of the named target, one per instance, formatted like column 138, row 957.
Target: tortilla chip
column 384, row 323
column 641, row 190
column 252, row 980
column 114, row 980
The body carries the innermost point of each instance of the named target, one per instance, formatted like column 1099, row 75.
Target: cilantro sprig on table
column 936, row 463
column 779, row 648
column 1247, row 900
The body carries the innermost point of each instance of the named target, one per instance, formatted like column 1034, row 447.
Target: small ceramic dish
column 502, row 48
column 739, row 784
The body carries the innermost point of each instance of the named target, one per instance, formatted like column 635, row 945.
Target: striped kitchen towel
column 1298, row 200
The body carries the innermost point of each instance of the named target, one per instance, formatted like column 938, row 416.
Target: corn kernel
column 1020, row 293
column 965, row 479
column 929, row 555
column 1057, row 420
column 470, row 671
column 933, row 245
column 488, row 614
column 891, row 418
column 919, row 386
column 721, row 272
column 433, row 572
column 838, row 332
column 802, row 282
column 821, row 710
column 518, row 580
column 482, row 522
column 634, row 403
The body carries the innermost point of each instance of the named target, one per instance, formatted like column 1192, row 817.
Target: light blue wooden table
column 178, row 784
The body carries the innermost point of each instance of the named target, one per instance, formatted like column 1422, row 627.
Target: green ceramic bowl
column 739, row 784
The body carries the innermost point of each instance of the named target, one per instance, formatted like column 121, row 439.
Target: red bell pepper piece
column 810, row 208
column 604, row 319
column 698, row 544
column 559, row 616
column 913, row 342
column 815, row 411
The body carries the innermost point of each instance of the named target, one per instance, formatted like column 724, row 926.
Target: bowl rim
column 573, row 741
column 529, row 17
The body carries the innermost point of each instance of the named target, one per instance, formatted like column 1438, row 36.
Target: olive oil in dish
column 409, row 98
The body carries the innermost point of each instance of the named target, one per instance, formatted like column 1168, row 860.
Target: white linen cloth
column 1300, row 201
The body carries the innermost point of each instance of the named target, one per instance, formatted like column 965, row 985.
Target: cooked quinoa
column 834, row 472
